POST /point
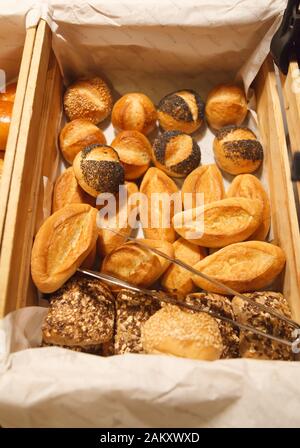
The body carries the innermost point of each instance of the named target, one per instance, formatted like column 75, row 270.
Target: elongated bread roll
column 248, row 186
column 156, row 215
column 206, row 179
column 62, row 243
column 220, row 223
column 246, row 266
column 137, row 265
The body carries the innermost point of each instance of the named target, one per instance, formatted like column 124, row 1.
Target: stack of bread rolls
column 155, row 153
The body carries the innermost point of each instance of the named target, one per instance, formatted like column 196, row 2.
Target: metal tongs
column 161, row 296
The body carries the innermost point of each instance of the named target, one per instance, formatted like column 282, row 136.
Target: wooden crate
column 15, row 125
column 37, row 152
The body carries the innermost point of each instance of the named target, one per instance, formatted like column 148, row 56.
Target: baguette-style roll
column 248, row 186
column 206, row 179
column 62, row 243
column 176, row 279
column 220, row 223
column 138, row 265
column 156, row 215
column 246, row 266
column 253, row 345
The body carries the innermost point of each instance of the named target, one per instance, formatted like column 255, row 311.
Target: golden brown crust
column 248, row 186
column 1, row 163
column 89, row 261
column 10, row 93
column 253, row 345
column 137, row 265
column 134, row 150
column 246, row 266
column 220, row 223
column 134, row 112
column 107, row 240
column 6, row 108
column 132, row 311
column 77, row 135
column 177, row 279
column 98, row 170
column 206, row 179
column 172, row 331
column 61, row 244
column 67, row 191
column 226, row 105
column 81, row 314
column 220, row 305
column 181, row 111
column 237, row 151
column 90, row 99
column 176, row 153
column 157, row 182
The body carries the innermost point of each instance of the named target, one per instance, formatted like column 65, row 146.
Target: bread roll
column 177, row 279
column 243, row 266
column 226, row 105
column 134, row 150
column 176, row 153
column 90, row 99
column 253, row 345
column 156, row 215
column 248, row 186
column 90, row 260
column 137, row 265
column 220, row 223
column 61, row 244
column 107, row 240
column 237, row 150
column 81, row 315
column 172, row 331
column 206, row 179
column 134, row 112
column 132, row 311
column 181, row 111
column 77, row 135
column 220, row 305
column 98, row 170
column 10, row 93
column 6, row 108
column 67, row 191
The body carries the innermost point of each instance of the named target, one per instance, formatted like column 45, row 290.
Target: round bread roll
column 226, row 105
column 10, row 93
column 237, row 150
column 181, row 111
column 67, row 191
column 98, row 170
column 90, row 99
column 6, row 108
column 134, row 150
column 77, row 135
column 176, row 153
column 134, row 112
column 172, row 331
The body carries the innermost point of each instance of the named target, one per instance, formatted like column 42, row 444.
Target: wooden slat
column 25, row 184
column 291, row 94
column 15, row 125
column 284, row 215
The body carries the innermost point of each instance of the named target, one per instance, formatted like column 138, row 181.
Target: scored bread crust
column 245, row 266
column 64, row 240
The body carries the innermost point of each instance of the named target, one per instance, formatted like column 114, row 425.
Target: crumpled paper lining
column 53, row 387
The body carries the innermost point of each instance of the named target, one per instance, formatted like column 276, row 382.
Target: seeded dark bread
column 253, row 345
column 132, row 311
column 81, row 315
column 220, row 305
column 98, row 170
column 176, row 153
column 237, row 150
column 181, row 111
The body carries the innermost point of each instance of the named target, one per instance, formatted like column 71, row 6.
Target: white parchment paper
column 155, row 47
